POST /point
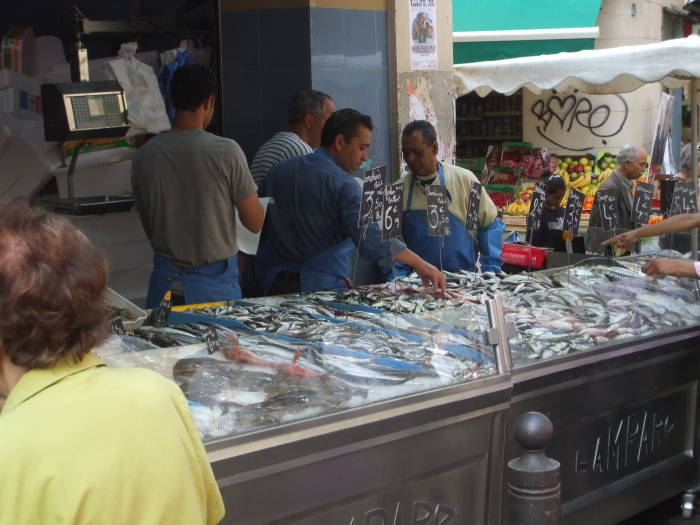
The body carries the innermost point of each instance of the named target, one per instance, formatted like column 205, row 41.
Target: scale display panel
column 94, row 111
column 84, row 110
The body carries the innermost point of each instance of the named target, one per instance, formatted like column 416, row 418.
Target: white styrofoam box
column 23, row 171
column 116, row 300
column 32, row 131
column 106, row 179
column 20, row 103
column 12, row 79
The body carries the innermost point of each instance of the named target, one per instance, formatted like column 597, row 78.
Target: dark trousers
column 286, row 283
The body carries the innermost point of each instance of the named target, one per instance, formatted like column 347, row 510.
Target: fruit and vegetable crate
column 502, row 197
column 503, row 178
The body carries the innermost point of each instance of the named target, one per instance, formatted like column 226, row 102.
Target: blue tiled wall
column 269, row 54
column 349, row 62
column 265, row 59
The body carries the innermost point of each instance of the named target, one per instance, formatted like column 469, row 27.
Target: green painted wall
column 495, row 15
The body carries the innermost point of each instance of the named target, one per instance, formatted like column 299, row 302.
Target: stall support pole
column 694, row 155
column 498, row 334
column 534, row 491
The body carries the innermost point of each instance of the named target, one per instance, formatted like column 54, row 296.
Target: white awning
column 598, row 71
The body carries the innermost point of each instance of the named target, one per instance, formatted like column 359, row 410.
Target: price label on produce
column 392, row 212
column 684, row 198
column 436, row 210
column 572, row 213
column 641, row 206
column 534, row 216
column 606, row 200
column 372, row 195
column 472, row 222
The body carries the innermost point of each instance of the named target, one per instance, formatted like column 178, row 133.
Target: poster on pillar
column 423, row 31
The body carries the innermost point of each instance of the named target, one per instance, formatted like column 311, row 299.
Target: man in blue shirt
column 312, row 229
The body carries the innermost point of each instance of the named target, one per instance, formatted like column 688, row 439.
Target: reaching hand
column 623, row 240
column 661, row 267
column 429, row 274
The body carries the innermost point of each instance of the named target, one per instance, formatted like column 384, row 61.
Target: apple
column 568, row 160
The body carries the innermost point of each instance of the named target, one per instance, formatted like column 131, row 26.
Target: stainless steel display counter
column 624, row 423
column 611, row 357
column 429, row 458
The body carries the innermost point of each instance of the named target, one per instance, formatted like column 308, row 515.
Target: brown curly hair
column 52, row 286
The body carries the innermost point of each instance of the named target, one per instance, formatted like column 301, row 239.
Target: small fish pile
column 392, row 297
column 302, row 320
column 432, row 332
column 585, row 314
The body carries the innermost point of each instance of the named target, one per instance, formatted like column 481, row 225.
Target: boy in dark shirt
column 552, row 224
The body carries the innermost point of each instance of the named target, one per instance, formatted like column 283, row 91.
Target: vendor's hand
column 662, row 266
column 430, row 274
column 624, row 240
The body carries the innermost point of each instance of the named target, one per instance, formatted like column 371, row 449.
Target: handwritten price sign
column 372, row 195
column 392, row 214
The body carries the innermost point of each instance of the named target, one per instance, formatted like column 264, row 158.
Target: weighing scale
column 82, row 110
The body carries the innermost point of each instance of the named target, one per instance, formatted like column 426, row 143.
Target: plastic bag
column 146, row 109
column 182, row 58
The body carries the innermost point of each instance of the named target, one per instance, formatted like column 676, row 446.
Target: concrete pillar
column 421, row 94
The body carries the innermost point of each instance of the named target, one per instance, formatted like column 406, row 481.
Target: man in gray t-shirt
column 186, row 184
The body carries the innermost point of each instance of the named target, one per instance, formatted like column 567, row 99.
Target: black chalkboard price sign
column 534, row 216
column 372, row 195
column 436, row 210
column 472, row 222
column 606, row 200
column 641, row 205
column 392, row 213
column 572, row 212
column 684, row 198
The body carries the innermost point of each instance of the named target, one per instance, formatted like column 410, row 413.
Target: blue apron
column 459, row 251
column 213, row 282
column 328, row 269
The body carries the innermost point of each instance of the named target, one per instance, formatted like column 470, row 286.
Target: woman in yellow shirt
column 81, row 443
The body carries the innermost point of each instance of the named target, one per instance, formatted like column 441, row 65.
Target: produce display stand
column 674, row 63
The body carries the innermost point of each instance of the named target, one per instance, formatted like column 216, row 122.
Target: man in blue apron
column 186, row 184
column 461, row 249
column 312, row 230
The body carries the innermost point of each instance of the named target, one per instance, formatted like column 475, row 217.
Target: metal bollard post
column 534, row 491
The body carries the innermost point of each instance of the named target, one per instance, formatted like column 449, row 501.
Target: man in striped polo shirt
column 308, row 113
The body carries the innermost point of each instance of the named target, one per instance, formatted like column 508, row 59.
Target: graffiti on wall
column 570, row 117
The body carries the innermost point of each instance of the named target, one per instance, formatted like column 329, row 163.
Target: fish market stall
column 609, row 355
column 385, row 404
